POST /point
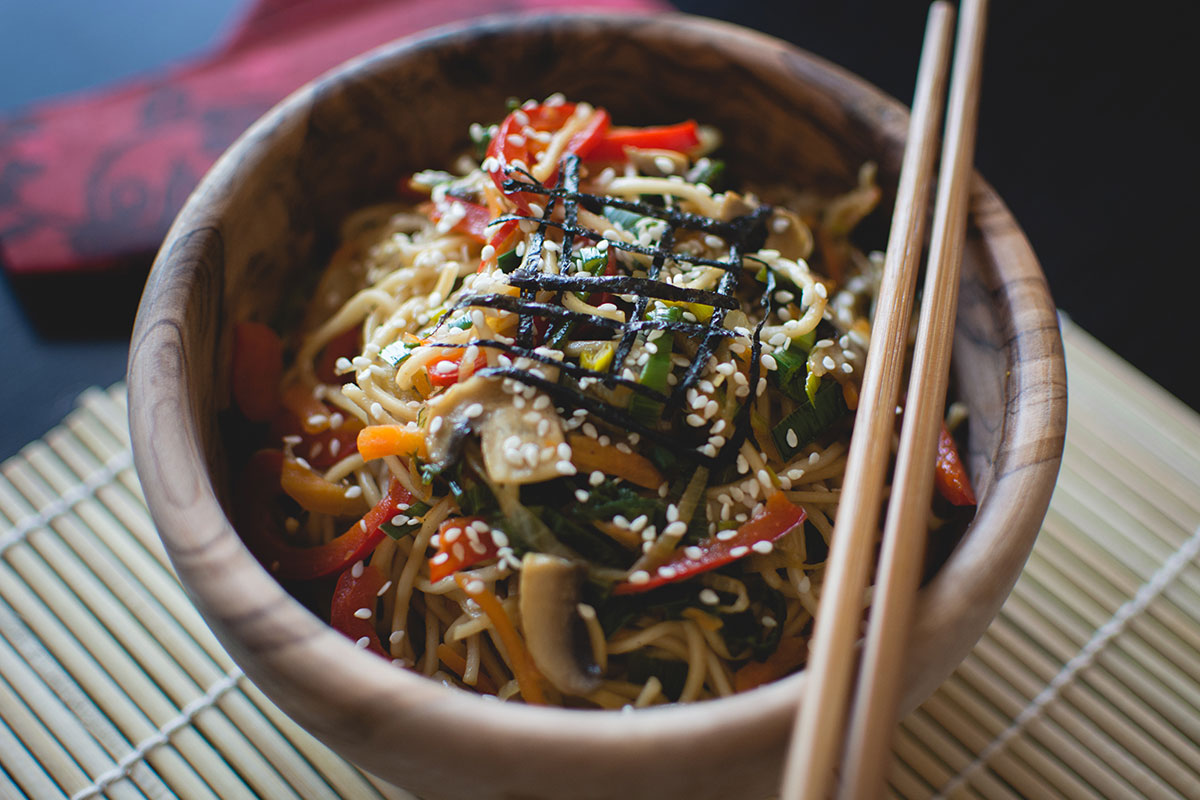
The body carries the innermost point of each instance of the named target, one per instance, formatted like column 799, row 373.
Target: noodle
column 607, row 399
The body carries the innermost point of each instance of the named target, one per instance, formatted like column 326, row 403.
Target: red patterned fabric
column 88, row 182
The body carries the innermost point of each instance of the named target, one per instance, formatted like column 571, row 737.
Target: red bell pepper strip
column 779, row 517
column 351, row 594
column 472, row 220
column 261, row 485
column 502, row 240
column 511, row 144
column 950, row 476
column 682, row 138
column 457, row 551
column 257, row 368
column 441, row 375
column 344, row 345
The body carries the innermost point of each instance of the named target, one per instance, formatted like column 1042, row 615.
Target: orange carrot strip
column 787, row 657
column 377, row 441
column 316, row 494
column 589, row 455
column 523, row 670
column 458, row 665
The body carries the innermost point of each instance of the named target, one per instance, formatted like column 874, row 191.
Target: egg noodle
column 594, row 406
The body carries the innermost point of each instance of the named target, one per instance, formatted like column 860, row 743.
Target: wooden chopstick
column 817, row 737
column 876, row 701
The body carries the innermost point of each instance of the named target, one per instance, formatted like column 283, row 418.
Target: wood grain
column 266, row 217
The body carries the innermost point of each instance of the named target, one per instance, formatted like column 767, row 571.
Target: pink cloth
column 90, row 182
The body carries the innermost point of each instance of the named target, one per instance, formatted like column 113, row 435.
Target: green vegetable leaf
column 810, row 419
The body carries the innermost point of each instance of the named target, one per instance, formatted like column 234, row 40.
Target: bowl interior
column 267, row 216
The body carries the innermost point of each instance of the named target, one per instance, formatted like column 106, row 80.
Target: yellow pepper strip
column 316, row 494
column 377, row 441
column 599, row 359
column 589, row 455
column 524, row 671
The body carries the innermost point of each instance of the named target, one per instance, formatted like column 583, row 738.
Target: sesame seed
column 440, row 558
column 693, row 552
column 768, row 361
column 666, row 572
column 565, row 468
column 363, row 613
column 676, row 528
column 474, row 586
column 363, row 642
column 739, row 551
column 596, row 478
column 709, row 597
column 768, row 622
column 821, row 291
column 581, row 495
column 451, row 535
column 353, row 492
column 638, row 523
column 384, row 589
column 499, row 538
column 621, row 522
column 792, row 439
column 828, row 363
column 847, row 368
column 763, row 547
column 726, row 535
column 639, row 576
column 695, row 420
column 357, row 570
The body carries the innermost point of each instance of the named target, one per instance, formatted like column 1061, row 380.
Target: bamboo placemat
column 1087, row 684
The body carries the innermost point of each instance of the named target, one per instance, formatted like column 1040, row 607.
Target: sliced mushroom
column 445, row 442
column 788, row 234
column 551, row 589
column 733, row 206
column 520, row 445
column 517, row 447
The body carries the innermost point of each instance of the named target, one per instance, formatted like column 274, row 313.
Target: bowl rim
column 167, row 441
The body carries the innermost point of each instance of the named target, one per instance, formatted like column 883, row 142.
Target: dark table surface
column 1082, row 131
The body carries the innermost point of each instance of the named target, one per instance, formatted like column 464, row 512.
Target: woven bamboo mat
column 1087, row 685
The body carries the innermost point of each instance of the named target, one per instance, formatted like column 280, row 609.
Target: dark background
column 1086, row 130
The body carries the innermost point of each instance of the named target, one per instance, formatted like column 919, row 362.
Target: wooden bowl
column 269, row 210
